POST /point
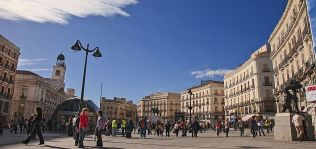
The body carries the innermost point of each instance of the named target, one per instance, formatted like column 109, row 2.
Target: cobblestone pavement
column 205, row 140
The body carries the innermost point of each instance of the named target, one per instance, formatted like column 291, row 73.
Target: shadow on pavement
column 249, row 147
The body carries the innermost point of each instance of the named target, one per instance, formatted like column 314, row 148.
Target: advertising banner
column 310, row 93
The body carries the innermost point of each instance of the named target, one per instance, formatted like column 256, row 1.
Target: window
column 303, row 61
column 265, row 68
column 57, row 73
column 6, row 107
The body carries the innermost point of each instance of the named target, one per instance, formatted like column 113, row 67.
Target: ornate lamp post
column 78, row 47
column 190, row 107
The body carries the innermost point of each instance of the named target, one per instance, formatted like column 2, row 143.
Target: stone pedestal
column 284, row 130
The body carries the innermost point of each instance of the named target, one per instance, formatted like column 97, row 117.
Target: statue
column 291, row 99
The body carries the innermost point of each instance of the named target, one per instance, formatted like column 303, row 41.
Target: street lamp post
column 190, row 107
column 78, row 47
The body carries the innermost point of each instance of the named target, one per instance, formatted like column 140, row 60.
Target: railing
column 266, row 70
column 267, row 84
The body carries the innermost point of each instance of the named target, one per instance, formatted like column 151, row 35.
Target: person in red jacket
column 83, row 124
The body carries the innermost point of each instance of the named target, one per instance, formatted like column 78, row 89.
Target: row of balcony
column 240, row 92
column 293, row 52
column 241, row 81
column 7, row 80
column 283, row 38
column 6, row 95
column 7, row 66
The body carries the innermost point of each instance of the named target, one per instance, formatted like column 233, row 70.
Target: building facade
column 207, row 100
column 292, row 54
column 119, row 108
column 32, row 90
column 249, row 88
column 9, row 55
column 167, row 104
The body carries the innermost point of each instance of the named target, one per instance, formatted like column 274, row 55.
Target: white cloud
column 60, row 11
column 210, row 73
column 29, row 62
column 39, row 69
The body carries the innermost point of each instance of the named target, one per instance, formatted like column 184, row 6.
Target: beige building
column 32, row 90
column 9, row 55
column 167, row 103
column 291, row 50
column 248, row 88
column 207, row 100
column 119, row 108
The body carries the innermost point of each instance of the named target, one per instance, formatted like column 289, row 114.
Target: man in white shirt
column 297, row 120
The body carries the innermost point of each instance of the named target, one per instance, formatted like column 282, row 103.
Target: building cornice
column 9, row 43
column 282, row 20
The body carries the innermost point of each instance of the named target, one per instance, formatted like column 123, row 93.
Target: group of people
column 23, row 125
column 145, row 126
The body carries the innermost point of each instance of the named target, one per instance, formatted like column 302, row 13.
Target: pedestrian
column 70, row 127
column 267, row 124
column 176, row 128
column 36, row 128
column 114, row 127
column 297, row 120
column 260, row 127
column 143, row 127
column 101, row 122
column 83, row 124
column 161, row 129
column 227, row 126
column 129, row 129
column 253, row 126
column 184, row 127
column 218, row 127
column 195, row 128
column 168, row 126
column 123, row 127
column 21, row 124
column 76, row 121
column 241, row 127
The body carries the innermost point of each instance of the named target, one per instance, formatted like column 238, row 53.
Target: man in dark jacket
column 195, row 128
column 253, row 126
column 37, row 127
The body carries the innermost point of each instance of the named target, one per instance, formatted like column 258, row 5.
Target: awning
column 247, row 117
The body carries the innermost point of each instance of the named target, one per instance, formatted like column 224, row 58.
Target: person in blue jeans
column 143, row 127
column 83, row 124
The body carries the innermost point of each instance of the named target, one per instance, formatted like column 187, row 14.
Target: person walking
column 241, row 127
column 129, row 129
column 297, row 120
column 183, row 127
column 218, row 127
column 76, row 122
column 101, row 122
column 260, row 127
column 253, row 126
column 267, row 124
column 36, row 128
column 83, row 124
column 195, row 128
column 227, row 126
column 168, row 126
column 176, row 128
column 114, row 127
column 143, row 127
column 123, row 126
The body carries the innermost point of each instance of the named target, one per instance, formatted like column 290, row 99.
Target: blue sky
column 147, row 45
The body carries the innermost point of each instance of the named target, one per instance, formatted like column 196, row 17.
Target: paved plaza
column 204, row 140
